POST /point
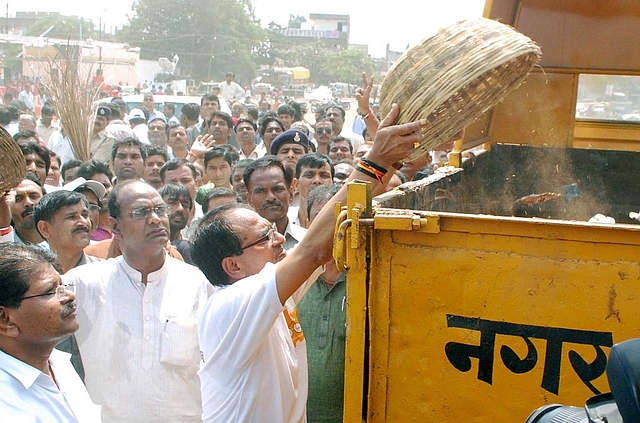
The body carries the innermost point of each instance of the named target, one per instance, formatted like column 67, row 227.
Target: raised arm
column 391, row 144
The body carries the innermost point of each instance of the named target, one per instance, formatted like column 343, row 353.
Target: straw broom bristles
column 73, row 95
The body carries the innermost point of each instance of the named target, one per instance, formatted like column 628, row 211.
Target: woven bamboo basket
column 12, row 167
column 453, row 77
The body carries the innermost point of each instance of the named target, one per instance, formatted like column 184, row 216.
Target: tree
column 326, row 64
column 211, row 37
column 348, row 65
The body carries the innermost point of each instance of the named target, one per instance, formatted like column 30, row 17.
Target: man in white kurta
column 273, row 372
column 255, row 367
column 138, row 315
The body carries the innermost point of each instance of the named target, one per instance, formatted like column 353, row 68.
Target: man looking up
column 62, row 218
column 237, row 179
column 158, row 131
column 289, row 147
column 189, row 120
column 269, row 186
column 169, row 112
column 128, row 156
column 245, row 130
column 286, row 114
column 336, row 114
column 138, row 315
column 37, row 158
column 312, row 170
column 178, row 141
column 220, row 127
column 270, row 128
column 22, row 202
column 183, row 172
column 249, row 334
column 100, row 172
column 340, row 148
column 36, row 313
column 156, row 158
column 218, row 165
column 177, row 197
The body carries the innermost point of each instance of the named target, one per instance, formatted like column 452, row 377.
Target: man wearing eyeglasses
column 254, row 352
column 138, row 315
column 63, row 219
column 36, row 313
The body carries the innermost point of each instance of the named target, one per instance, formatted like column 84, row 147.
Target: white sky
column 398, row 22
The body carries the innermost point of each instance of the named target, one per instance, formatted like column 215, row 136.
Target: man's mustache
column 80, row 229
column 272, row 203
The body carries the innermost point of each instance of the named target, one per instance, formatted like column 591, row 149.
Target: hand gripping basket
column 12, row 167
column 456, row 75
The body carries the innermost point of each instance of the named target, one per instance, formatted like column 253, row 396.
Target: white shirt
column 28, row 395
column 119, row 130
column 254, row 370
column 142, row 133
column 138, row 343
column 293, row 234
column 259, row 151
column 61, row 145
column 230, row 90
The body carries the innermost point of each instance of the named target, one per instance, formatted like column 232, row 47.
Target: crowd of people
column 185, row 270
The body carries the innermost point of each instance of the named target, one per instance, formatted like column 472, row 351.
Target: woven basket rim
column 12, row 165
column 455, row 75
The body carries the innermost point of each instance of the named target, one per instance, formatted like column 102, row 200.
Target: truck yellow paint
column 454, row 313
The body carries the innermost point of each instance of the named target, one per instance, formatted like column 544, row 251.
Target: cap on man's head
column 137, row 114
column 158, row 116
column 98, row 189
column 104, row 111
column 290, row 136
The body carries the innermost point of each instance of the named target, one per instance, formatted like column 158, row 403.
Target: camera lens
column 556, row 413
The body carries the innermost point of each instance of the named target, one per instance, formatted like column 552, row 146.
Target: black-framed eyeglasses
column 61, row 291
column 94, row 208
column 323, row 131
column 269, row 236
column 143, row 212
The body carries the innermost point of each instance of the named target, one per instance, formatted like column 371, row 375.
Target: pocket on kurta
column 180, row 342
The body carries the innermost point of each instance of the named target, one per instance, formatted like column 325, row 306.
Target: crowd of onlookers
column 145, row 198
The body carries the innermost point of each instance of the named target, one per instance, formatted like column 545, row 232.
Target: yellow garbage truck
column 487, row 290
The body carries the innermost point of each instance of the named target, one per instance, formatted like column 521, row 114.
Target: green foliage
column 64, row 27
column 326, row 64
column 348, row 66
column 211, row 37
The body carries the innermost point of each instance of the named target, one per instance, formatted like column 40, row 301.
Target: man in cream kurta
column 138, row 315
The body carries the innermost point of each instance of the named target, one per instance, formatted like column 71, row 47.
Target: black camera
column 622, row 404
